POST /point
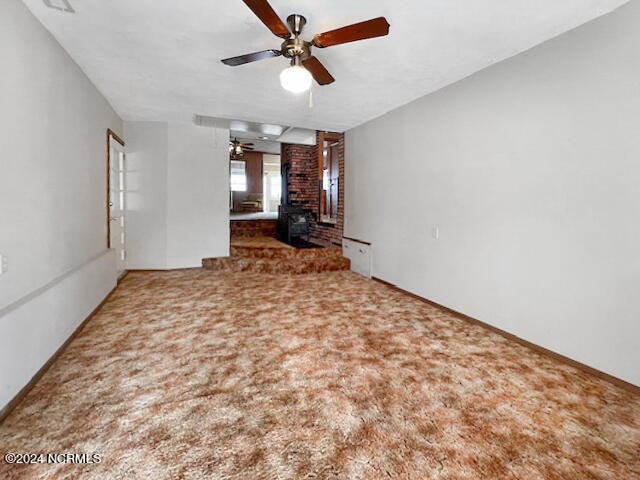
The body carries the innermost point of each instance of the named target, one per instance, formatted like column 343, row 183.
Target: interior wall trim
column 39, row 291
column 15, row 401
column 358, row 241
column 158, row 270
column 618, row 382
column 115, row 136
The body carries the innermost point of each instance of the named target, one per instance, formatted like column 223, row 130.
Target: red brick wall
column 304, row 187
column 303, row 174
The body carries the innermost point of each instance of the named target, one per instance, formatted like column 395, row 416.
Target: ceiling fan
column 297, row 78
column 236, row 148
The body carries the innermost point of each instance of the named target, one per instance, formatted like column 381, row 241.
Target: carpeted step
column 253, row 228
column 277, row 265
column 283, row 253
column 268, row 255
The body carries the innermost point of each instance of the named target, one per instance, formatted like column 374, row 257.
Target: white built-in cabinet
column 359, row 252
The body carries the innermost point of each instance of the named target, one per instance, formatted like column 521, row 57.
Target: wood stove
column 293, row 221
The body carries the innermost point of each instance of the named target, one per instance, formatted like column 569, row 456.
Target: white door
column 117, row 239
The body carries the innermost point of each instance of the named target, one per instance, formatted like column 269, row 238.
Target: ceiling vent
column 61, row 5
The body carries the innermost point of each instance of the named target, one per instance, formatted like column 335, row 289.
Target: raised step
column 277, row 266
column 249, row 252
column 268, row 255
column 253, row 228
column 283, row 253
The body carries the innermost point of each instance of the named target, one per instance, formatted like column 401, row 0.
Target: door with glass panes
column 117, row 237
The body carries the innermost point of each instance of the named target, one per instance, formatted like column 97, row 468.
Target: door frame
column 326, row 140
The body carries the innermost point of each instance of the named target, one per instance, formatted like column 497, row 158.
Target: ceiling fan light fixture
column 295, row 79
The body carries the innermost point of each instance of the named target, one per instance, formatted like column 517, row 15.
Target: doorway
column 271, row 182
column 116, row 238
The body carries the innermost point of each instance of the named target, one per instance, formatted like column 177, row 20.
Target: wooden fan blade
column 265, row 13
column 251, row 57
column 320, row 74
column 376, row 27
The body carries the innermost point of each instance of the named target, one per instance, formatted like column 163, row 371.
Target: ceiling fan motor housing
column 296, row 47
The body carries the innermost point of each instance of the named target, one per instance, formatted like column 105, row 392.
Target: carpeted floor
column 198, row 374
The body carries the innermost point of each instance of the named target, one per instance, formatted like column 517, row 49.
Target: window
column 238, row 176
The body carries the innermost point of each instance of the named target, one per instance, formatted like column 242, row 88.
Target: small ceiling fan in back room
column 237, row 148
column 297, row 78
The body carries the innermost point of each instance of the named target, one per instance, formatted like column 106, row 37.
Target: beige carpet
column 199, row 374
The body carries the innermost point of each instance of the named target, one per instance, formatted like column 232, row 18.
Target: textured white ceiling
column 160, row 60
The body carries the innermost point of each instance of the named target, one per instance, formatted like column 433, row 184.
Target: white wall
column 146, row 198
column 37, row 325
column 53, row 126
column 198, row 195
column 178, row 194
column 530, row 170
